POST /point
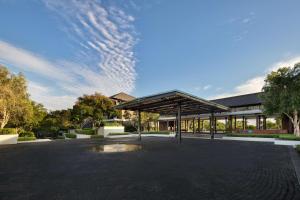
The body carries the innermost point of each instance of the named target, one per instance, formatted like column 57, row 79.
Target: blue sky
column 207, row 48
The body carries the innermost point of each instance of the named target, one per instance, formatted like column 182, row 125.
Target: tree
column 97, row 106
column 281, row 94
column 15, row 106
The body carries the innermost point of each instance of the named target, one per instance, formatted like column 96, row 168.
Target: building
column 245, row 115
column 122, row 98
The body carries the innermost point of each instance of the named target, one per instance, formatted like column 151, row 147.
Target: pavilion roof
column 167, row 103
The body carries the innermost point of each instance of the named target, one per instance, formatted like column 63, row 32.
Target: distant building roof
column 122, row 97
column 241, row 100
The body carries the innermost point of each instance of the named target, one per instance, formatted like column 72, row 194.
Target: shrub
column 51, row 131
column 26, row 138
column 70, row 135
column 86, row 131
column 130, row 128
column 26, row 134
column 97, row 136
column 8, row 131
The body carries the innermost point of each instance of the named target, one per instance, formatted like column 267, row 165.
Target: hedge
column 87, row 131
column 26, row 138
column 289, row 137
column 97, row 136
column 111, row 124
column 8, row 131
column 123, row 133
column 26, row 134
column 70, row 135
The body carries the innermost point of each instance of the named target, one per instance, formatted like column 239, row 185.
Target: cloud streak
column 104, row 61
column 255, row 84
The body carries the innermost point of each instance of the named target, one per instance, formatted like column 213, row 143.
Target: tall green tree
column 15, row 106
column 97, row 106
column 281, row 94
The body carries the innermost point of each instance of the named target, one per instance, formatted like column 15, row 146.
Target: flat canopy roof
column 167, row 104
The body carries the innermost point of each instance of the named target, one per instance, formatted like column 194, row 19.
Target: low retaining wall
column 9, row 139
column 82, row 136
column 106, row 130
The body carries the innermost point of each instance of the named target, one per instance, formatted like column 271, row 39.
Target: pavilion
column 174, row 103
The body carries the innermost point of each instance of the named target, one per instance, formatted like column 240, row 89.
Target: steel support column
column 212, row 126
column 199, row 125
column 194, row 126
column 168, row 124
column 139, row 125
column 230, row 124
column 179, row 122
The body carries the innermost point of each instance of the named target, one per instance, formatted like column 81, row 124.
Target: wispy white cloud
column 243, row 23
column 202, row 88
column 104, row 62
column 107, row 35
column 206, row 87
column 255, row 84
column 44, row 94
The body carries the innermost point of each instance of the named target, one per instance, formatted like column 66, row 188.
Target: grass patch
column 97, row 136
column 21, row 139
column 289, row 137
column 70, row 135
column 298, row 148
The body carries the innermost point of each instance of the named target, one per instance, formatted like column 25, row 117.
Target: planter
column 105, row 130
column 9, row 139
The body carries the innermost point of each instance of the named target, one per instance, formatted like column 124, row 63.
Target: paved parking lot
column 161, row 169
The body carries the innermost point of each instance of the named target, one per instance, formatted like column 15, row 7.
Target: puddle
column 110, row 148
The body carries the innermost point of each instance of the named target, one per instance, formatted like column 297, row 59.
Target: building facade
column 245, row 115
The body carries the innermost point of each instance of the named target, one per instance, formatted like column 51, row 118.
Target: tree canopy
column 16, row 109
column 281, row 94
column 97, row 106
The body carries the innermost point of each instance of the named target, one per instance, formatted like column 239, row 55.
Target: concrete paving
column 162, row 169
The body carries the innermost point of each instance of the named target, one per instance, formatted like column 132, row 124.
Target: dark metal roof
column 239, row 101
column 122, row 97
column 166, row 103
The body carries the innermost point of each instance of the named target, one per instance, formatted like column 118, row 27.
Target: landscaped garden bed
column 277, row 136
